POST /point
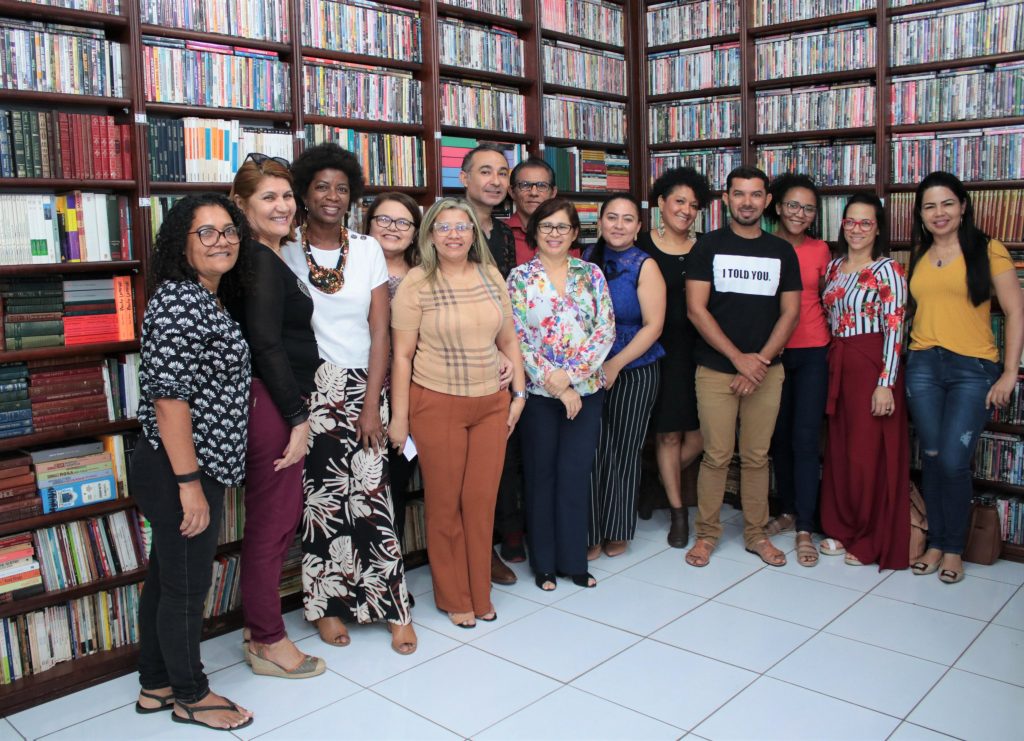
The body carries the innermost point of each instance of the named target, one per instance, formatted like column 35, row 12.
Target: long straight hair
column 598, row 253
column 973, row 241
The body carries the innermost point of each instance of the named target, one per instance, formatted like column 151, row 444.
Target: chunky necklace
column 327, row 280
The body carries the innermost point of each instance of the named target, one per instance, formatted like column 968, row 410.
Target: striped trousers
column 615, row 480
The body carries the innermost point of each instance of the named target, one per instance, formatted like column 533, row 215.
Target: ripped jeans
column 946, row 395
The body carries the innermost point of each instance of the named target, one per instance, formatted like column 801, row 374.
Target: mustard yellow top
column 945, row 316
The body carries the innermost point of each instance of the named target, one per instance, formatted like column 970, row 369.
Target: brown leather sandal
column 767, row 552
column 700, row 554
column 806, row 552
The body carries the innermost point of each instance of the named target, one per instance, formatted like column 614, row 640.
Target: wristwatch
column 519, row 395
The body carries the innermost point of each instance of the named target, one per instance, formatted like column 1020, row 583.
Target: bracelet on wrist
column 186, row 478
column 518, row 394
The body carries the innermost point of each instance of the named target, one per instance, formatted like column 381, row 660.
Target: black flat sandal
column 541, row 579
column 584, row 580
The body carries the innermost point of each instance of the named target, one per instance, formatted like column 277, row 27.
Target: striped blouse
column 870, row 300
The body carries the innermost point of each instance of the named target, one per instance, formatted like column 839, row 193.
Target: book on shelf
column 57, row 144
column 31, row 301
column 345, row 90
column 98, row 310
column 716, row 163
column 999, row 457
column 679, row 21
column 204, row 150
column 252, row 79
column 249, row 19
column 504, row 8
column 596, row 20
column 973, row 30
column 1013, row 412
column 1011, row 518
column 455, row 148
column 43, row 62
column 388, row 160
column 414, row 538
column 232, row 524
column 291, row 570
column 67, row 227
column 73, row 554
column 588, row 169
column 20, row 574
column 966, row 94
column 850, row 46
column 573, row 65
column 76, row 481
column 715, row 216
column 18, row 496
column 999, row 320
column 698, row 68
column 840, row 163
column 474, row 46
column 362, row 27
column 225, row 592
column 772, row 12
column 694, row 119
column 997, row 212
column 111, row 7
column 571, row 117
column 479, row 105
column 816, row 108
column 975, row 154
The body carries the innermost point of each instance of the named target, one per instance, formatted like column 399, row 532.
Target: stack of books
column 33, row 309
column 98, row 310
column 18, row 496
column 67, row 391
column 74, row 476
column 84, row 551
column 19, row 570
column 15, row 406
column 455, row 148
column 73, row 146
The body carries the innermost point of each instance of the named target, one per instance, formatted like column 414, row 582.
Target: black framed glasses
column 384, row 222
column 525, row 186
column 209, row 235
column 546, row 227
column 259, row 159
column 792, row 207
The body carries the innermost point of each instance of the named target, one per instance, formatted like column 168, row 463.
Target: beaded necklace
column 327, row 280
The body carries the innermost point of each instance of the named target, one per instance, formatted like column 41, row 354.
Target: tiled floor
column 659, row 650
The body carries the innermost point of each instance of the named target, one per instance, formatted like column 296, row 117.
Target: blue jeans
column 946, row 395
column 796, row 444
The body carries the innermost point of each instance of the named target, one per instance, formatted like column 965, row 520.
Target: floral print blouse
column 871, row 300
column 573, row 332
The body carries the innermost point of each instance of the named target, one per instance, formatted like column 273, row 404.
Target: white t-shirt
column 341, row 320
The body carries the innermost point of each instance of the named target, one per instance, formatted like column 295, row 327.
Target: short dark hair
column 412, row 251
column 467, row 161
column 532, row 162
column 170, row 261
column 746, row 172
column 327, row 156
column 881, row 246
column 679, row 177
column 784, row 183
column 546, row 209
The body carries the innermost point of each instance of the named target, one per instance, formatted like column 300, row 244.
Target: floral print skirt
column 351, row 558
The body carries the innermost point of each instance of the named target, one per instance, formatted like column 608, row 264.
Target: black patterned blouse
column 195, row 352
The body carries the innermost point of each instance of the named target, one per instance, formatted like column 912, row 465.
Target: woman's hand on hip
column 195, row 508
column 572, row 401
column 369, row 428
column 999, row 394
column 296, row 449
column 882, row 403
column 514, row 410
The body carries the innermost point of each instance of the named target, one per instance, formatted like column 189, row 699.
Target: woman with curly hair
column 194, row 382
column 352, row 558
column 865, row 486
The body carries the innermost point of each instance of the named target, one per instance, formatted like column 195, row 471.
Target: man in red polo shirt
column 532, row 183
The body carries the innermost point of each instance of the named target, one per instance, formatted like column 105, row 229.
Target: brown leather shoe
column 501, row 573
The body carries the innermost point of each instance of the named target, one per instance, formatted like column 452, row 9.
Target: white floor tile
column 731, row 544
column 668, row 569
column 82, row 705
column 555, row 643
column 667, row 683
column 262, row 695
column 802, row 601
column 572, row 714
column 124, row 724
column 832, row 570
column 370, row 659
column 976, row 598
column 418, row 581
column 770, row 709
column 297, row 626
column 508, row 606
column 221, row 652
column 629, row 604
column 656, row 528
column 734, row 636
column 910, row 732
column 7, row 732
column 998, row 653
column 971, row 707
column 873, row 677
column 1010, row 572
column 638, row 550
column 910, row 629
column 1012, row 615
column 527, row 588
column 466, row 690
column 364, row 715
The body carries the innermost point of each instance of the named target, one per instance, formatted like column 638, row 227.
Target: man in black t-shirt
column 743, row 296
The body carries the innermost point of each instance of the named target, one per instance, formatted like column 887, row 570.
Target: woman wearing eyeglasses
column 565, row 323
column 450, row 317
column 954, row 377
column 352, row 558
column 194, row 383
column 393, row 219
column 796, row 444
column 865, row 490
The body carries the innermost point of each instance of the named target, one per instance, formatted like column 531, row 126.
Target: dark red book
column 18, row 502
column 12, row 472
column 126, row 154
column 34, row 509
column 15, row 461
column 19, row 480
column 64, row 145
column 77, row 373
column 25, row 489
column 53, row 393
column 66, row 405
column 9, row 541
column 114, row 148
column 89, row 414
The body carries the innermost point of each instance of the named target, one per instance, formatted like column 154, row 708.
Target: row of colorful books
column 712, row 217
column 473, row 46
column 232, row 524
column 588, row 169
column 478, row 105
column 999, row 213
column 414, row 538
column 388, row 160
column 178, row 72
column 771, row 12
column 250, row 19
column 504, row 8
column 815, row 108
column 973, row 30
column 1000, row 457
column 999, row 320
column 20, row 576
column 35, row 641
column 698, row 68
column 55, row 144
column 597, row 20
column 843, row 163
column 715, row 163
column 67, row 227
column 225, row 592
column 570, row 117
column 75, row 553
column 685, row 20
column 577, row 66
column 50, row 312
column 455, row 148
column 112, row 7
column 204, row 150
column 1013, row 412
column 331, row 88
column 53, row 58
column 362, row 27
column 846, row 47
column 694, row 119
column 1011, row 519
column 990, row 154
column 958, row 95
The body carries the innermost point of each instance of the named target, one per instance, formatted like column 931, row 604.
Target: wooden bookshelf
column 47, row 599
column 68, row 515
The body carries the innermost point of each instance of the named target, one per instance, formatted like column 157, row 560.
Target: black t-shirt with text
column 747, row 277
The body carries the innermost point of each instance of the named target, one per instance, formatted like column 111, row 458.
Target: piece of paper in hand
column 409, row 451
